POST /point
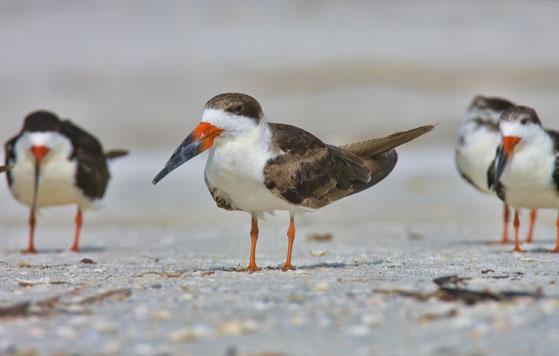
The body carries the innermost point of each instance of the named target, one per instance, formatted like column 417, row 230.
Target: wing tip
column 427, row 127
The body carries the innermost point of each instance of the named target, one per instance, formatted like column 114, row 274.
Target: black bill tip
column 188, row 149
column 160, row 175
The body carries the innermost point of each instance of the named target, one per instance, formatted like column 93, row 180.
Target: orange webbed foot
column 252, row 268
column 287, row 267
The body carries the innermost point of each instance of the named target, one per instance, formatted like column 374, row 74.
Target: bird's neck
column 256, row 137
column 240, row 158
column 537, row 144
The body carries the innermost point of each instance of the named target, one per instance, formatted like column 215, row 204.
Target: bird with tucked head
column 53, row 162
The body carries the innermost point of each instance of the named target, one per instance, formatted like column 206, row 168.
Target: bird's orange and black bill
column 504, row 154
column 39, row 153
column 199, row 140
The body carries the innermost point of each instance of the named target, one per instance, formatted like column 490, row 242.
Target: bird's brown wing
column 93, row 174
column 312, row 174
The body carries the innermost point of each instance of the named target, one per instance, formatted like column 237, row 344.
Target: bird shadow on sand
column 92, row 249
column 334, row 265
column 496, row 242
column 479, row 243
column 329, row 265
column 56, row 251
column 528, row 250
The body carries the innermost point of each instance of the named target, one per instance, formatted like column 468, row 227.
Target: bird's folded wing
column 81, row 139
column 315, row 179
column 92, row 174
column 310, row 173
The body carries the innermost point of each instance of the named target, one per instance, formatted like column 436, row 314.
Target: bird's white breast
column 235, row 167
column 475, row 153
column 58, row 173
column 528, row 176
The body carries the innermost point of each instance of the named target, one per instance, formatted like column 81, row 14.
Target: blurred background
column 137, row 74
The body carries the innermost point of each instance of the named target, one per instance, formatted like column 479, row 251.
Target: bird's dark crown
column 490, row 103
column 237, row 104
column 39, row 121
column 522, row 114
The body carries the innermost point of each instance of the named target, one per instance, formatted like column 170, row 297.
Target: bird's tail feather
column 376, row 146
column 112, row 154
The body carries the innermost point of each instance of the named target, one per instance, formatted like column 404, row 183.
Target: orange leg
column 252, row 267
column 533, row 216
column 290, row 239
column 79, row 222
column 557, row 242
column 32, row 223
column 516, row 227
column 506, row 219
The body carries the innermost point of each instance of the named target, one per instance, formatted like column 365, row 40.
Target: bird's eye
column 237, row 109
column 524, row 121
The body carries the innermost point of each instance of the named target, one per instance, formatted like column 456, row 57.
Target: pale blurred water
column 138, row 73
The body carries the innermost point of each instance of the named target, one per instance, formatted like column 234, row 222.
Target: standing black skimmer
column 257, row 167
column 479, row 137
column 526, row 167
column 54, row 162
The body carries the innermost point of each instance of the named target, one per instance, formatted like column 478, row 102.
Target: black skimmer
column 526, row 166
column 54, row 162
column 478, row 139
column 260, row 167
